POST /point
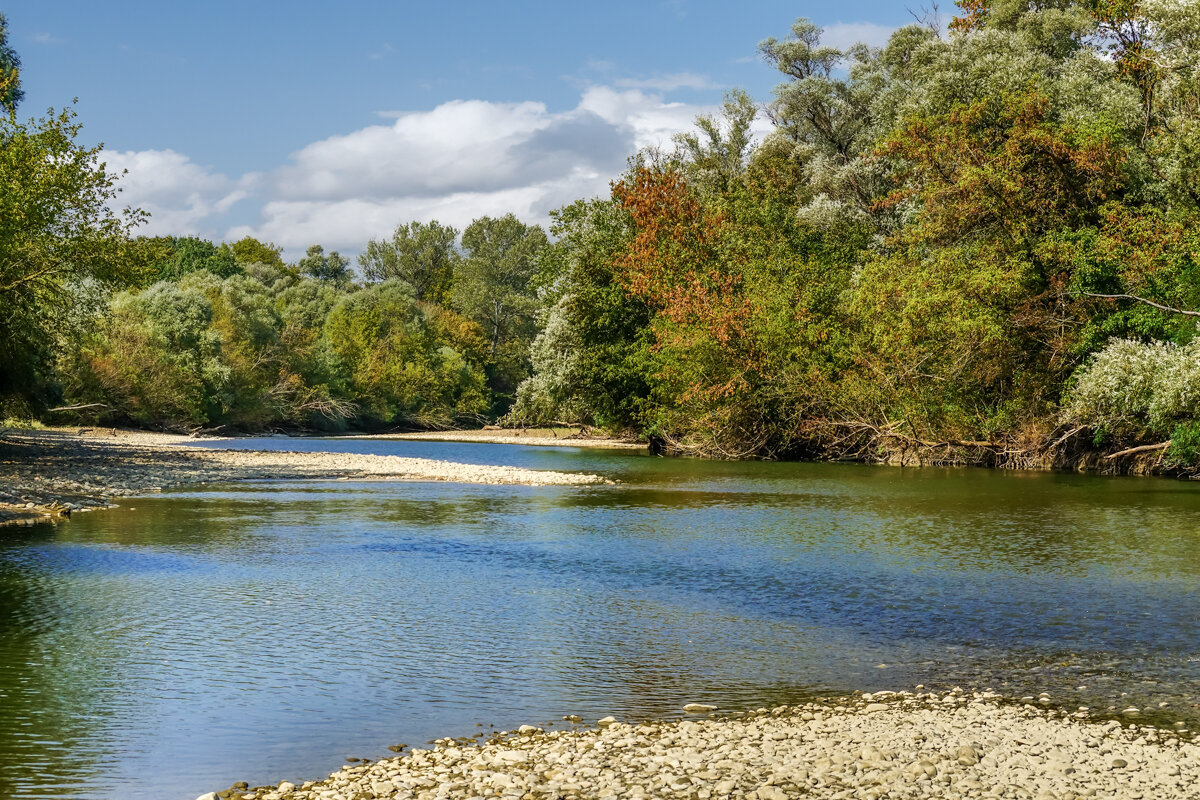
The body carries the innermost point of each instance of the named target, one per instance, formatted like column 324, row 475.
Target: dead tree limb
column 1146, row 448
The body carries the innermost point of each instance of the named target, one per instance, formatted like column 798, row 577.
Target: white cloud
column 454, row 163
column 844, row 34
column 180, row 195
column 669, row 82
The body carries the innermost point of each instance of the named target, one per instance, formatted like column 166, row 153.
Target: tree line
column 978, row 244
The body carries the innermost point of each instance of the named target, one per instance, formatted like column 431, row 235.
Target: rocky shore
column 886, row 745
column 54, row 472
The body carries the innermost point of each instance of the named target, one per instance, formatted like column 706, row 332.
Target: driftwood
column 1146, row 448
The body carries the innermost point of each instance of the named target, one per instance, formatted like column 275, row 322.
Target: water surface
column 266, row 631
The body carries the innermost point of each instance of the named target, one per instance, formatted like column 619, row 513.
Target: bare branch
column 1134, row 297
column 1146, row 448
column 77, row 408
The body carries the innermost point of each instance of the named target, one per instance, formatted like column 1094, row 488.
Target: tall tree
column 248, row 250
column 494, row 287
column 332, row 268
column 10, row 72
column 715, row 158
column 182, row 255
column 420, row 254
column 60, row 240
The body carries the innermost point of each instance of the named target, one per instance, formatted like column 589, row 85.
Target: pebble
column 976, row 746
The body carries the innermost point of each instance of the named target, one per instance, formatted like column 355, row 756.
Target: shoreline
column 887, row 744
column 533, row 437
column 50, row 473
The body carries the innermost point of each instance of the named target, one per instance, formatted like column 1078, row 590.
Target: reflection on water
column 265, row 632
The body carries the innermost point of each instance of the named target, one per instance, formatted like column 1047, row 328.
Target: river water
column 267, row 631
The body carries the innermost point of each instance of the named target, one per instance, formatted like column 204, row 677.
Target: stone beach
column 883, row 745
column 52, row 472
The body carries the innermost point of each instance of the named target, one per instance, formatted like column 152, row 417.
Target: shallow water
column 266, row 631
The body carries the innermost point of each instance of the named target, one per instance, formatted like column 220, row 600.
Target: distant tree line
column 231, row 335
column 976, row 245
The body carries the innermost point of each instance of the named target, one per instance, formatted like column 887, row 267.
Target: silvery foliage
column 1176, row 49
column 549, row 393
column 839, row 103
column 1138, row 387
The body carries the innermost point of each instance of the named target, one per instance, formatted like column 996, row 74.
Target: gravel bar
column 54, row 472
column 885, row 745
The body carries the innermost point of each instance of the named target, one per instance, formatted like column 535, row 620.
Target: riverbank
column 956, row 745
column 54, row 472
column 534, row 437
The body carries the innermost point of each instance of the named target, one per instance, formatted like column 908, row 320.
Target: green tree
column 332, row 268
column 248, row 250
column 58, row 236
column 590, row 359
column 494, row 287
column 11, row 93
column 715, row 158
column 183, row 255
column 422, row 255
column 394, row 366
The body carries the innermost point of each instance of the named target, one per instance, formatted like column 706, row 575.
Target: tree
column 422, row 255
column 589, row 360
column 716, row 158
column 332, row 268
column 183, row 255
column 396, row 367
column 58, row 237
column 493, row 286
column 249, row 250
column 828, row 119
column 10, row 72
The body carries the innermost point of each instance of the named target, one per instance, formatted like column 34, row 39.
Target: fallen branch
column 1146, row 448
column 77, row 408
column 1066, row 436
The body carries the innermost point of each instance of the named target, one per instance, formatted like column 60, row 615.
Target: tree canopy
column 423, row 255
column 11, row 93
column 61, row 244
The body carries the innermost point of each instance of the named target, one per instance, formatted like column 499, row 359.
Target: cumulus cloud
column 455, row 162
column 180, row 195
column 844, row 34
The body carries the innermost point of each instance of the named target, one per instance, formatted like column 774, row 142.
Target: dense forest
column 978, row 244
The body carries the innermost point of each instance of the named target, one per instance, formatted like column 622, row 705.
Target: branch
column 1143, row 449
column 77, row 408
column 1066, row 436
column 1140, row 300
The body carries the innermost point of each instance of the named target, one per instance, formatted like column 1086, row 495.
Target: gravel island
column 885, row 745
column 52, row 472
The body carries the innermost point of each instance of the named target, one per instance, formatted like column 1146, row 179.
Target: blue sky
column 305, row 122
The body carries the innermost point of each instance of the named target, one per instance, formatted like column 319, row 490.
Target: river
column 266, row 631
